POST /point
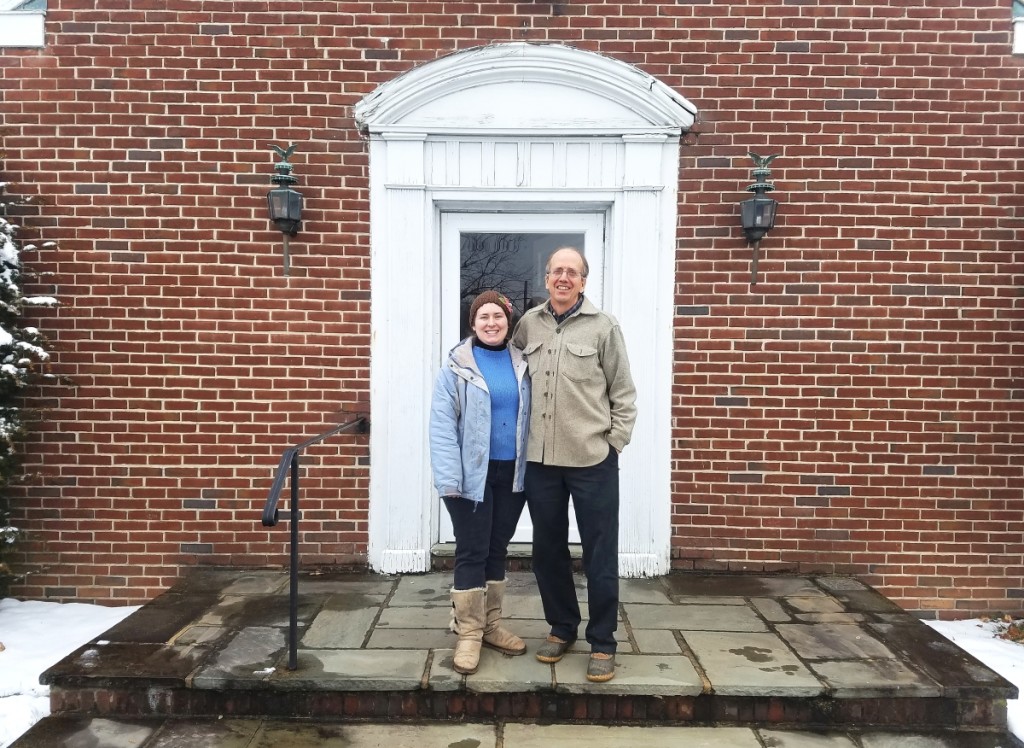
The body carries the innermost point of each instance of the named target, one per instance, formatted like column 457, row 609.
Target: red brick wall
column 858, row 411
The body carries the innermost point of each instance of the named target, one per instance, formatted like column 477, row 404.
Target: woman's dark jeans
column 483, row 530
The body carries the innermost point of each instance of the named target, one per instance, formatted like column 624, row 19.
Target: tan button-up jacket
column 583, row 394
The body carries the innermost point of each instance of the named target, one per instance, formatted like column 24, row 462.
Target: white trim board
column 22, row 29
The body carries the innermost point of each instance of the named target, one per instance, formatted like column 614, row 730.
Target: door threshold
column 515, row 550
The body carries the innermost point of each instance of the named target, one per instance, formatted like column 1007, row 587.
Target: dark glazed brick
column 944, row 223
column 803, row 288
column 197, row 548
column 708, row 162
column 127, row 257
column 745, row 478
column 732, row 401
column 879, row 244
column 834, row 491
column 61, row 592
column 199, row 504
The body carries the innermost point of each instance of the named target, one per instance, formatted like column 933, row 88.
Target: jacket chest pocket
column 580, row 363
column 532, row 354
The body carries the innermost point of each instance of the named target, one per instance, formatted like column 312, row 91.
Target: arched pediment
column 523, row 88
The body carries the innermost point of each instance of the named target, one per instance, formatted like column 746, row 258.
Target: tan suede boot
column 496, row 636
column 468, row 619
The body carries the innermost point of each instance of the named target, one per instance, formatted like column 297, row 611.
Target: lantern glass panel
column 295, row 205
column 285, row 208
column 758, row 214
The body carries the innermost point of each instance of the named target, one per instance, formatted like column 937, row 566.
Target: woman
column 479, row 420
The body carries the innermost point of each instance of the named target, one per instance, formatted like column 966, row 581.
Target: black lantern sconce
column 758, row 212
column 283, row 203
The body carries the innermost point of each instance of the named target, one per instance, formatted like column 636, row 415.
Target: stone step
column 739, row 650
column 235, row 732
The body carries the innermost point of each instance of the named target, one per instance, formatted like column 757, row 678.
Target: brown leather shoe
column 553, row 649
column 601, row 667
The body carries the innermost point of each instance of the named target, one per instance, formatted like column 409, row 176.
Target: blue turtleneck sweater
column 496, row 366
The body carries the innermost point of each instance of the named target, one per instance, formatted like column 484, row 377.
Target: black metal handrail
column 290, row 465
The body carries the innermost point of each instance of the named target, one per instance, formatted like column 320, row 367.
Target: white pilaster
column 403, row 278
column 639, row 288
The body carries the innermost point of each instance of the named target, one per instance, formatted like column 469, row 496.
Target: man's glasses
column 570, row 273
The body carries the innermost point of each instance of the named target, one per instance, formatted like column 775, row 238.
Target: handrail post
column 293, row 594
column 270, row 518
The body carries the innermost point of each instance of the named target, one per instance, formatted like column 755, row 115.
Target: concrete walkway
column 731, row 660
column 255, row 733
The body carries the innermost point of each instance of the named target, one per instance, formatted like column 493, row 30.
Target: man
column 581, row 417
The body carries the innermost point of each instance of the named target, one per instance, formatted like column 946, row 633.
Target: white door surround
column 521, row 128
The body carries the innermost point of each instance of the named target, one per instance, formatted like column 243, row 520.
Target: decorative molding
column 549, row 88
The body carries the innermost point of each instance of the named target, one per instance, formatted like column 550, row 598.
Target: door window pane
column 510, row 263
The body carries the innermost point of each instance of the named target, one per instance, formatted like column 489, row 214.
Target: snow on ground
column 979, row 638
column 36, row 635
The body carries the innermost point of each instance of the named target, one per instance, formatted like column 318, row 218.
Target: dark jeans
column 482, row 531
column 595, row 497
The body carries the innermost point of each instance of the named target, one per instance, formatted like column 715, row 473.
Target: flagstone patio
column 764, row 652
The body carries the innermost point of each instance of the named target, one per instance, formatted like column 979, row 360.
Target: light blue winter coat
column 460, row 424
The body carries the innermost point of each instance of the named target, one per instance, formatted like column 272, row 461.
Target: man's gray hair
column 586, row 265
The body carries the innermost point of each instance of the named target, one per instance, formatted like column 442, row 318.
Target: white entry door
column 507, row 252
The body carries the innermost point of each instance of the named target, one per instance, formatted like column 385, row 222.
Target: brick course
column 858, row 411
